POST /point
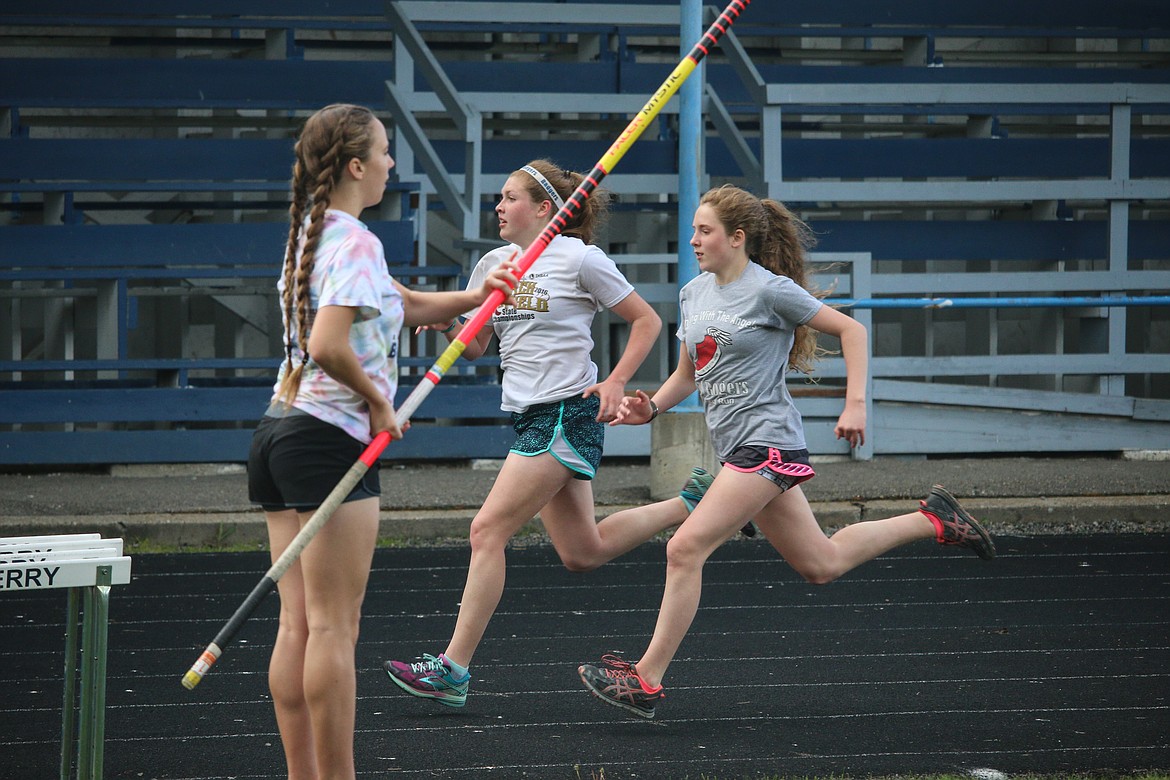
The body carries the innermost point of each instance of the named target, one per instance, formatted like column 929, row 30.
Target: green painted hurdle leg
column 92, row 717
column 68, row 723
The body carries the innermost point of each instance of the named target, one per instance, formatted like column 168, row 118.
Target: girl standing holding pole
column 342, row 317
column 559, row 410
column 744, row 321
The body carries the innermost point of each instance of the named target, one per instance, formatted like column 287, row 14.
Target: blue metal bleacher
column 104, row 399
column 908, row 143
column 120, row 423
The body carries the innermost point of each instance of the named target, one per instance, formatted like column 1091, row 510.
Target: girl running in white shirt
column 559, row 410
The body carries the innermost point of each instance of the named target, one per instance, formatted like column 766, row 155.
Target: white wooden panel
column 62, row 574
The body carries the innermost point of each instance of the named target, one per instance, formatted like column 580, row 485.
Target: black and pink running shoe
column 616, row 681
column 954, row 526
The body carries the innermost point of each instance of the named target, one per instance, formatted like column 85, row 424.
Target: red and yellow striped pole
column 575, row 201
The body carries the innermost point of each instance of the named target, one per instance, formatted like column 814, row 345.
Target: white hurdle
column 88, row 566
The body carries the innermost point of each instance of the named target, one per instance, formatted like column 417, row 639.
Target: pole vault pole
column 468, row 332
column 575, row 201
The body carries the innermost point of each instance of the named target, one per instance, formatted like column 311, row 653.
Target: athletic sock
column 938, row 524
column 646, row 687
column 457, row 671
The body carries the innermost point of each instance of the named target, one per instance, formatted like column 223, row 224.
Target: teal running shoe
column 430, row 678
column 695, row 488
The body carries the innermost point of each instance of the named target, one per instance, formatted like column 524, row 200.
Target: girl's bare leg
column 287, row 665
column 584, row 544
column 524, row 485
column 733, row 499
column 790, row 526
column 336, row 568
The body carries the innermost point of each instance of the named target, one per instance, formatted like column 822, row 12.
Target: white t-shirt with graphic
column 739, row 336
column 545, row 340
column 350, row 270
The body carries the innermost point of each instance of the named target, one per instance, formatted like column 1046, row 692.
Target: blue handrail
column 999, row 303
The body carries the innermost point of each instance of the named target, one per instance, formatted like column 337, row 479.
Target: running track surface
column 1053, row 658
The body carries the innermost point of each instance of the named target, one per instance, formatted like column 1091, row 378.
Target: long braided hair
column 779, row 241
column 592, row 213
column 330, row 138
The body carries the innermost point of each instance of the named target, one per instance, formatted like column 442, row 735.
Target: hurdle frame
column 94, row 566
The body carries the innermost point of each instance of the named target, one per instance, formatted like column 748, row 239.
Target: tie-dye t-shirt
column 350, row 270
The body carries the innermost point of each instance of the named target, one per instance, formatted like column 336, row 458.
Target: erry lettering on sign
column 28, row 577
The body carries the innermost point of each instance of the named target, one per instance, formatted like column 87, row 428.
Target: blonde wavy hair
column 330, row 138
column 778, row 240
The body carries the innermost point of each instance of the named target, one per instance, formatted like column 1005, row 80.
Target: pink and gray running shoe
column 616, row 681
column 954, row 526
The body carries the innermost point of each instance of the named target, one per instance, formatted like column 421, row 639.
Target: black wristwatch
column 653, row 410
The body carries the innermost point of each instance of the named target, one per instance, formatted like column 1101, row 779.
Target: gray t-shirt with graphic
column 739, row 336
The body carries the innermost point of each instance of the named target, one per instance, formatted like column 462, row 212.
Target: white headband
column 543, row 182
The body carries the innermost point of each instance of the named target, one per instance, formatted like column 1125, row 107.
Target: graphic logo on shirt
column 531, row 299
column 530, row 296
column 709, row 350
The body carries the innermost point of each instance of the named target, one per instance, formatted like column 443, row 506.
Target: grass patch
column 153, row 546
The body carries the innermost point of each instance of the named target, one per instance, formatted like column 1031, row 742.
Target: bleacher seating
column 147, row 157
column 244, row 250
column 155, row 83
column 123, row 423
column 161, row 185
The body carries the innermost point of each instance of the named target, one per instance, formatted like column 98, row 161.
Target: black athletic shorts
column 785, row 468
column 297, row 460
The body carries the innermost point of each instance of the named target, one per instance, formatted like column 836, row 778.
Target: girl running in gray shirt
column 745, row 321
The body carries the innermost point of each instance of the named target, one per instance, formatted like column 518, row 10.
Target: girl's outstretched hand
column 503, row 278
column 611, row 393
column 442, row 327
column 634, row 410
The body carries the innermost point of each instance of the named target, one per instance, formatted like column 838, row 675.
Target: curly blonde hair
column 778, row 240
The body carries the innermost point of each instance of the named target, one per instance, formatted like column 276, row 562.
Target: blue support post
column 690, row 156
